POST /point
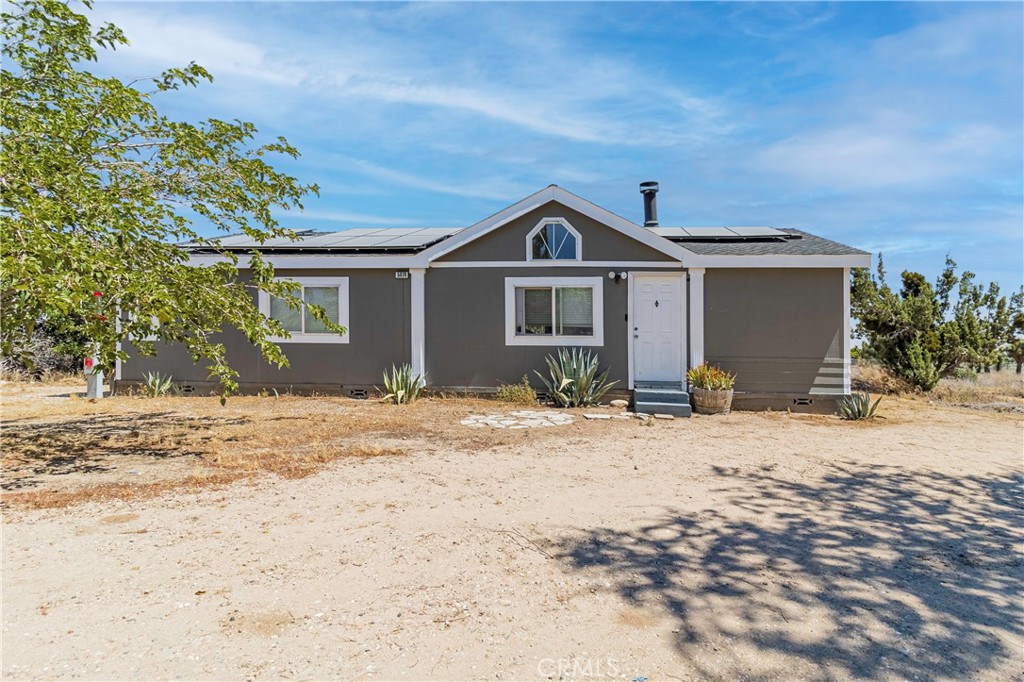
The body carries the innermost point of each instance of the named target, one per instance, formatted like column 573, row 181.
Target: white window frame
column 301, row 337
column 540, row 226
column 513, row 283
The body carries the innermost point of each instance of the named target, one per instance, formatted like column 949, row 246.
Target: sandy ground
column 751, row 546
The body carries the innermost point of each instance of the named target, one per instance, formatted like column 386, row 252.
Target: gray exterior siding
column 780, row 330
column 465, row 327
column 379, row 331
column 600, row 242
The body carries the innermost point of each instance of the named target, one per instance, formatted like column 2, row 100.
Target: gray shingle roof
column 802, row 244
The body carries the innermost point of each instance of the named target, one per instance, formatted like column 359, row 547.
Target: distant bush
column 573, row 379
column 964, row 374
column 520, row 394
column 402, row 386
column 858, row 406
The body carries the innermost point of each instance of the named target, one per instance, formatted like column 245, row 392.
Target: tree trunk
column 1020, row 363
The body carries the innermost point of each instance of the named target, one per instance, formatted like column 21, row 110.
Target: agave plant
column 573, row 379
column 158, row 385
column 858, row 406
column 402, row 386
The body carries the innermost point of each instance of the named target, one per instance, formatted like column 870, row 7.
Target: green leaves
column 96, row 186
column 924, row 332
column 573, row 379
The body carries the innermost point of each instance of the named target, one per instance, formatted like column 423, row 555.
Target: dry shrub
column 518, row 394
column 998, row 391
column 874, row 378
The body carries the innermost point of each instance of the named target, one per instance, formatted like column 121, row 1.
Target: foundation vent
column 188, row 389
column 803, row 401
column 358, row 393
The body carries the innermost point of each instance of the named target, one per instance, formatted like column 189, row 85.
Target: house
column 480, row 306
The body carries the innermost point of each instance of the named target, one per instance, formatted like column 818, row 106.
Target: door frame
column 683, row 341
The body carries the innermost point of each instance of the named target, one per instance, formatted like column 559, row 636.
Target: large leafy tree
column 924, row 332
column 97, row 186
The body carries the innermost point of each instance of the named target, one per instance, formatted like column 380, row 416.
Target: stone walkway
column 520, row 419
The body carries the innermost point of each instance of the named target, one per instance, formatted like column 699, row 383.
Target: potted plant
column 711, row 387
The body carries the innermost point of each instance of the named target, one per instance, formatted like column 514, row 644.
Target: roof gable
column 570, row 200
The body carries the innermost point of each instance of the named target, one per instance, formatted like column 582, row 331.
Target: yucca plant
column 858, row 406
column 573, row 379
column 710, row 378
column 402, row 386
column 158, row 385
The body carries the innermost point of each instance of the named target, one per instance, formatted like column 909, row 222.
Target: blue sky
column 892, row 127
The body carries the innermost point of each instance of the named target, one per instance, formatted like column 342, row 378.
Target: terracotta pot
column 711, row 402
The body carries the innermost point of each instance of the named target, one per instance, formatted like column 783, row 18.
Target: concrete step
column 651, row 395
column 675, row 409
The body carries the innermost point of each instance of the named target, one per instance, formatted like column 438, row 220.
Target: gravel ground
column 751, row 546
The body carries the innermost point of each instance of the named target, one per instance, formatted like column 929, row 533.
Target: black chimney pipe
column 650, row 190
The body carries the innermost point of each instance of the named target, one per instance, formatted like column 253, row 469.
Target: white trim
column 343, row 308
column 696, row 327
column 512, row 339
column 629, row 330
column 846, row 330
column 615, row 264
column 787, row 261
column 117, row 347
column 334, row 262
column 555, row 193
column 558, row 221
column 683, row 322
column 420, row 261
column 418, row 322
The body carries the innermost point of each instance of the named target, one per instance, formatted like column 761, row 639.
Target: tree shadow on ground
column 872, row 572
column 34, row 450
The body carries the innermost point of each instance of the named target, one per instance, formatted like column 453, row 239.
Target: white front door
column 658, row 327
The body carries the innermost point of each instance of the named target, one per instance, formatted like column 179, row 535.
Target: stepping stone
column 664, row 416
column 597, row 416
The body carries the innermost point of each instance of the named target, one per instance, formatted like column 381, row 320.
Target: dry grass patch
column 296, row 464
column 59, row 449
column 995, row 391
column 59, row 499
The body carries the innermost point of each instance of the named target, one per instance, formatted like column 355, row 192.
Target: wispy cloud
column 162, row 42
column 893, row 126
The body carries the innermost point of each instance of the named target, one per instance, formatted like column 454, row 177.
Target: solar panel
column 758, row 232
column 711, row 233
column 359, row 238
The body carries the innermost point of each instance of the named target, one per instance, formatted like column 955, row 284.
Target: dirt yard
column 323, row 538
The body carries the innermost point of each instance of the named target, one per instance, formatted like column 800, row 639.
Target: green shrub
column 401, row 385
column 573, row 379
column 710, row 378
column 521, row 393
column 964, row 374
column 858, row 406
column 158, row 385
